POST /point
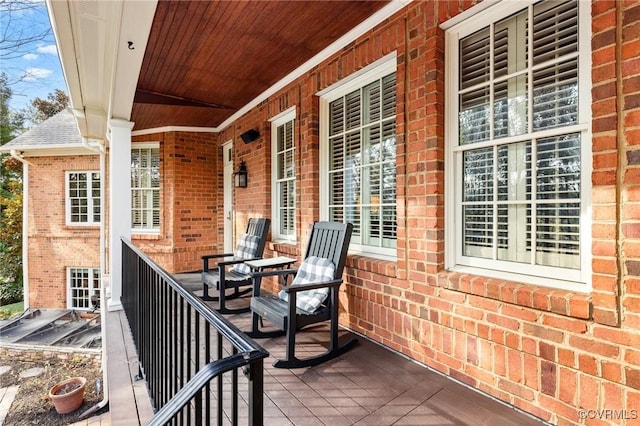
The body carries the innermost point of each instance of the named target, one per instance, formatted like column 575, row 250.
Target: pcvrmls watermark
column 608, row 414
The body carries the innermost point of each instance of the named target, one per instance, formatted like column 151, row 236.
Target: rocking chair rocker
column 311, row 298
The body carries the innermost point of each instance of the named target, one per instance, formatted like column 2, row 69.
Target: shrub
column 11, row 241
column 10, row 292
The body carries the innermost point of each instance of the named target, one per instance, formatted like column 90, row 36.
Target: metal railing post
column 255, row 374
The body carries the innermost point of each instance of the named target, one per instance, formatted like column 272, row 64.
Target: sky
column 33, row 69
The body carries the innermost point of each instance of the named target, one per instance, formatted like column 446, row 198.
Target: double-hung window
column 358, row 156
column 145, row 187
column 518, row 142
column 284, row 175
column 83, row 197
column 82, row 283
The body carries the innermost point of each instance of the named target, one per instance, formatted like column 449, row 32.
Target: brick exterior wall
column 52, row 245
column 546, row 351
column 190, row 197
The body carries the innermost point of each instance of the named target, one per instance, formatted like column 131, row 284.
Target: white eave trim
column 100, row 67
column 49, row 150
column 365, row 26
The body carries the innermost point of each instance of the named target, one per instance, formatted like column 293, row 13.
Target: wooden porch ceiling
column 206, row 60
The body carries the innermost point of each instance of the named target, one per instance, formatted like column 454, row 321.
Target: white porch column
column 119, row 203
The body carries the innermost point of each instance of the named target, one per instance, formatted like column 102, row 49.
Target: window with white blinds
column 145, row 188
column 83, row 197
column 284, row 176
column 361, row 161
column 517, row 160
column 82, row 283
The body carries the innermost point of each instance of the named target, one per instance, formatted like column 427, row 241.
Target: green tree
column 11, row 278
column 10, row 124
column 5, row 94
column 10, row 204
column 22, row 30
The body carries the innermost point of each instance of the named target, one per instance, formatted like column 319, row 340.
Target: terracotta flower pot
column 67, row 396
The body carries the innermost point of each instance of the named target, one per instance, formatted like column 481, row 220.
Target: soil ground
column 32, row 405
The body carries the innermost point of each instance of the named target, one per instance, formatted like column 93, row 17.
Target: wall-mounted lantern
column 241, row 175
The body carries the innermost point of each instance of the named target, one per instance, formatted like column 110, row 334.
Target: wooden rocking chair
column 312, row 297
column 250, row 247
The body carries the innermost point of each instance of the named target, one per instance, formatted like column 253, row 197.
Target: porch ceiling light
column 241, row 176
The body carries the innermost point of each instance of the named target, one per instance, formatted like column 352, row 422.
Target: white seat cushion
column 312, row 270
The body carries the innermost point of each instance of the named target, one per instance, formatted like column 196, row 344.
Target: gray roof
column 59, row 130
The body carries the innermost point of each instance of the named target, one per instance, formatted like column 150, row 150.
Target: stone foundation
column 40, row 354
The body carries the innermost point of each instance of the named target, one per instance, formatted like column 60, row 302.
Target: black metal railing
column 183, row 345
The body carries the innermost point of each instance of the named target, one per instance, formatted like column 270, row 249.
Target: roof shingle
column 58, row 130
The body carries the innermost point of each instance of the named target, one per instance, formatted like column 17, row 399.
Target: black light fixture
column 241, row 175
column 250, row 135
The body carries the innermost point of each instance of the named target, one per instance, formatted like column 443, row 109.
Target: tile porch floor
column 369, row 385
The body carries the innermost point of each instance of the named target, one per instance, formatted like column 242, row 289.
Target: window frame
column 154, row 230
column 358, row 80
column 93, row 290
column 285, row 117
column 578, row 280
column 90, row 204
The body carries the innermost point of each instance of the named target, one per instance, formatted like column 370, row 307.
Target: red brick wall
column 53, row 246
column 549, row 352
column 190, row 193
column 189, row 227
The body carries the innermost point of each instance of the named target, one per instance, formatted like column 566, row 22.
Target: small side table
column 270, row 263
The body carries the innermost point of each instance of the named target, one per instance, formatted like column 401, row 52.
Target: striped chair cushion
column 313, row 270
column 246, row 249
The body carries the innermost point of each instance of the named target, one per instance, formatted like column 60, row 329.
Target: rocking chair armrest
column 311, row 286
column 211, row 256
column 207, row 257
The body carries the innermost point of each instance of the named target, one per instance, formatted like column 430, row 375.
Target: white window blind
column 145, row 188
column 520, row 144
column 285, row 179
column 83, row 197
column 362, row 162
